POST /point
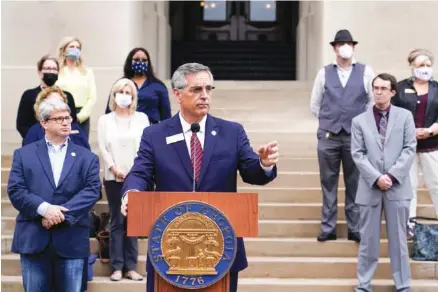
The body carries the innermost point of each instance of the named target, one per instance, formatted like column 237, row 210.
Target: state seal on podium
column 192, row 245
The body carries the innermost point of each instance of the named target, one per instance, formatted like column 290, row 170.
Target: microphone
column 195, row 127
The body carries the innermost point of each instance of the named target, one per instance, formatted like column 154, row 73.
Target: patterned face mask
column 423, row 73
column 140, row 67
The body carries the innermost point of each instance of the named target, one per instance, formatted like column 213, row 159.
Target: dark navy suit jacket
column 31, row 183
column 169, row 166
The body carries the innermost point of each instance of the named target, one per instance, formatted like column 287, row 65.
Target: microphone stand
column 194, row 165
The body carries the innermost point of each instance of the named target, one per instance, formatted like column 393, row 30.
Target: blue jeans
column 46, row 272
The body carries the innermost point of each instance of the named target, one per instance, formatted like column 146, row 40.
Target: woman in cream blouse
column 77, row 79
column 119, row 134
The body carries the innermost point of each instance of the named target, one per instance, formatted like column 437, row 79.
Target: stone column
column 386, row 31
column 309, row 39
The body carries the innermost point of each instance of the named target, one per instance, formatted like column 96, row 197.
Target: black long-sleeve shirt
column 26, row 114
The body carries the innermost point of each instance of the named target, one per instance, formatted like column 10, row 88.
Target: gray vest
column 340, row 105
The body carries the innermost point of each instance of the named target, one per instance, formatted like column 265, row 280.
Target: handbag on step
column 103, row 238
column 425, row 240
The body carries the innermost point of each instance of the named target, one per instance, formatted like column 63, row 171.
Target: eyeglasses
column 140, row 60
column 60, row 120
column 199, row 89
column 382, row 89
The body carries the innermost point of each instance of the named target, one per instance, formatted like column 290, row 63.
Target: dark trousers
column 47, row 272
column 332, row 150
column 85, row 125
column 123, row 249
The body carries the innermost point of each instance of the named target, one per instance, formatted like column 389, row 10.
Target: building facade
column 386, row 32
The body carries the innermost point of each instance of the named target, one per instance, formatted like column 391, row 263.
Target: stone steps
column 295, row 141
column 13, row 284
column 276, row 267
column 267, row 211
column 296, row 164
column 286, row 195
column 267, row 228
column 271, row 247
column 284, row 179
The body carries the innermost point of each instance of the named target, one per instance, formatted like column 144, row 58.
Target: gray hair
column 179, row 76
column 419, row 52
column 47, row 107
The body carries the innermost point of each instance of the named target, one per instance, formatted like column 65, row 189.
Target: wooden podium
column 241, row 209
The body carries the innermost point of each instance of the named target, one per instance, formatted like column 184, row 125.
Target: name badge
column 174, row 138
column 409, row 90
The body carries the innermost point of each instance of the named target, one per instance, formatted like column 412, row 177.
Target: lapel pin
column 213, row 133
column 73, row 154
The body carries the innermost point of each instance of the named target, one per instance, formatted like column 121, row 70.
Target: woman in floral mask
column 153, row 97
column 419, row 95
column 77, row 79
column 119, row 134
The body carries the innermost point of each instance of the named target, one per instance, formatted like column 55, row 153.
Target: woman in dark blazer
column 419, row 95
column 48, row 68
column 153, row 97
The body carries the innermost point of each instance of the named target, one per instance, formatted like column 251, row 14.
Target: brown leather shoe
column 116, row 276
column 133, row 275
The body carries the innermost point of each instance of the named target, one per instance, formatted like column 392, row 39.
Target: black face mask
column 50, row 78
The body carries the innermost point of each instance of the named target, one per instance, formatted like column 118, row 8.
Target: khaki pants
column 428, row 164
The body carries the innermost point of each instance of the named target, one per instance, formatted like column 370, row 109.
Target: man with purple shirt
column 341, row 91
column 383, row 148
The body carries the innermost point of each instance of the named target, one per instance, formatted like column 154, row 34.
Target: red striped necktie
column 197, row 153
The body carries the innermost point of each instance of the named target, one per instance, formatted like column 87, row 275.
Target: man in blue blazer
column 220, row 148
column 53, row 184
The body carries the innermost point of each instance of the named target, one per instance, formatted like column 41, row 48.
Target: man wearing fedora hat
column 341, row 91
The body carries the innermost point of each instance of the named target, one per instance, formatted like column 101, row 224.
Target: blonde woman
column 419, row 95
column 75, row 78
column 119, row 134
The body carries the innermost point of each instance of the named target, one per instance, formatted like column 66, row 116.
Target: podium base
column 223, row 285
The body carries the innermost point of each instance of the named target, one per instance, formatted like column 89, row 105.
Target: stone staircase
column 286, row 255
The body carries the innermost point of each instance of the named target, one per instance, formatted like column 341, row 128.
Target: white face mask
column 123, row 100
column 423, row 73
column 345, row 51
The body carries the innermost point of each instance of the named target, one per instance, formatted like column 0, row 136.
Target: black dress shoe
column 354, row 236
column 326, row 236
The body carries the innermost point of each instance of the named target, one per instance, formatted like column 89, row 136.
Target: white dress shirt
column 57, row 157
column 344, row 75
column 188, row 132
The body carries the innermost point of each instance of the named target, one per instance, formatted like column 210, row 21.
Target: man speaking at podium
column 194, row 151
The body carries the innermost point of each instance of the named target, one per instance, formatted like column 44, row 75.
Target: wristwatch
column 430, row 132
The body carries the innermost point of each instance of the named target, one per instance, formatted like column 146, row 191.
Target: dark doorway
column 238, row 40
